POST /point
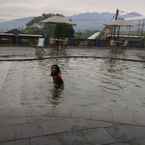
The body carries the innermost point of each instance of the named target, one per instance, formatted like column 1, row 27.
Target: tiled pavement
column 70, row 131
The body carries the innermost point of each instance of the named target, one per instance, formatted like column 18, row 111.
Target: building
column 124, row 33
column 19, row 39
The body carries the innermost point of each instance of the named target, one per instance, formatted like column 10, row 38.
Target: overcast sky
column 11, row 9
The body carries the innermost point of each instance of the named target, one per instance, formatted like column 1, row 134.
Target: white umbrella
column 58, row 20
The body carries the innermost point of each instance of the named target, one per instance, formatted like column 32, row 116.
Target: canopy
column 58, row 19
column 94, row 36
column 122, row 23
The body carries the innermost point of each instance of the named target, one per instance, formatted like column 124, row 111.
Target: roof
column 29, row 35
column 122, row 23
column 135, row 18
column 22, row 35
column 94, row 36
column 58, row 19
column 7, row 34
column 130, row 36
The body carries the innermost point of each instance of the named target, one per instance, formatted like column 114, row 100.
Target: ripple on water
column 88, row 83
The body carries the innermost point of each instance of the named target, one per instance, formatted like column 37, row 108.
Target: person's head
column 55, row 70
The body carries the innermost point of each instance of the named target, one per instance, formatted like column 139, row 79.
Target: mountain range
column 16, row 23
column 84, row 21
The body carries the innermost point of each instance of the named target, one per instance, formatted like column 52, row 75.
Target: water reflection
column 117, row 52
column 113, row 75
column 56, row 95
column 113, row 65
column 89, row 83
column 39, row 52
column 57, row 52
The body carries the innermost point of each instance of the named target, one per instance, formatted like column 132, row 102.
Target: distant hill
column 1, row 20
column 96, row 21
column 85, row 21
column 13, row 24
column 132, row 14
column 91, row 21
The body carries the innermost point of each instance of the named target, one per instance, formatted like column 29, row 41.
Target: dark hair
column 57, row 70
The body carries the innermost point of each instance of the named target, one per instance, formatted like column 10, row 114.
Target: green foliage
column 30, row 30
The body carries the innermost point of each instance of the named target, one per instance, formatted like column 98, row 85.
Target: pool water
column 107, row 89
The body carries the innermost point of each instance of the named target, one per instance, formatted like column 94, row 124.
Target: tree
column 30, row 30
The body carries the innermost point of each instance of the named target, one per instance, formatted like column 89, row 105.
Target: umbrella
column 58, row 20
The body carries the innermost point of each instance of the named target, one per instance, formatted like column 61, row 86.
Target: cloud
column 22, row 8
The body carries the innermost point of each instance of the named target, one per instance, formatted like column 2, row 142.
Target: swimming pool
column 102, row 89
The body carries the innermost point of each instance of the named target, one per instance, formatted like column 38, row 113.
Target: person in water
column 56, row 75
